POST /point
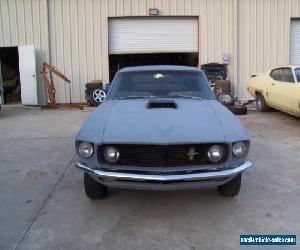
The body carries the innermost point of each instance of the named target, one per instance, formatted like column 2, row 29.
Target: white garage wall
column 78, row 33
column 78, row 43
column 263, row 34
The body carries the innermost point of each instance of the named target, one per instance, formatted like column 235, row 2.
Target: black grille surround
column 172, row 155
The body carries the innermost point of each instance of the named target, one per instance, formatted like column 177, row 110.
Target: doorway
column 117, row 62
column 10, row 75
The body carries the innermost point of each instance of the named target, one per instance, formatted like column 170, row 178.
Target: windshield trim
column 117, row 78
column 298, row 69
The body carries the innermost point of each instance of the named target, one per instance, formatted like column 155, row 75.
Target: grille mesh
column 162, row 155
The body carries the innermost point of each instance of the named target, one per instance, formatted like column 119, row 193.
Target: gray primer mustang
column 161, row 128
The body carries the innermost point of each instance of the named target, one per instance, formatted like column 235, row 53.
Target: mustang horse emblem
column 192, row 153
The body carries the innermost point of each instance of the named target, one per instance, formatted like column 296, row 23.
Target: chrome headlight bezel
column 85, row 149
column 240, row 149
column 111, row 154
column 216, row 154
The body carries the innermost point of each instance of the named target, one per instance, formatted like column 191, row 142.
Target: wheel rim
column 99, row 95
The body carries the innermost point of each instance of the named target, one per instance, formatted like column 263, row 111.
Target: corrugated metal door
column 153, row 35
column 295, row 42
column 1, row 85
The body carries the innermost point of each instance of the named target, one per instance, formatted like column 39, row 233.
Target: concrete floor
column 43, row 205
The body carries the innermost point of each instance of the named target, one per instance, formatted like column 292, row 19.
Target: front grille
column 163, row 155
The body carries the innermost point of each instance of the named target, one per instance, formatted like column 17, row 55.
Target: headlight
column 215, row 153
column 226, row 99
column 240, row 149
column 85, row 149
column 111, row 154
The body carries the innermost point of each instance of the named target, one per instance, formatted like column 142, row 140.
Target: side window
column 288, row 75
column 277, row 75
column 297, row 73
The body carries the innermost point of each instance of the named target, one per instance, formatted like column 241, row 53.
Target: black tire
column 238, row 109
column 94, row 189
column 92, row 86
column 261, row 103
column 231, row 188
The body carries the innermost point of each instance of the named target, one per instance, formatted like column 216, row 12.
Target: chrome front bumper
column 164, row 182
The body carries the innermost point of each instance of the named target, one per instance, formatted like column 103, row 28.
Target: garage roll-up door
column 153, row 35
column 295, row 42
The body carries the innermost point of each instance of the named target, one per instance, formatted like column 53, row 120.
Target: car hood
column 130, row 121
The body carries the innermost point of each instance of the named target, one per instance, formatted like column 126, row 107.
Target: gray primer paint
column 129, row 121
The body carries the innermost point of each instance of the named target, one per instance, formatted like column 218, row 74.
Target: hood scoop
column 160, row 104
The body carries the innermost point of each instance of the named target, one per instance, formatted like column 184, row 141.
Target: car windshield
column 160, row 84
column 297, row 73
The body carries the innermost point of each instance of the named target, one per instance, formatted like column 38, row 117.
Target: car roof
column 295, row 66
column 159, row 67
column 286, row 66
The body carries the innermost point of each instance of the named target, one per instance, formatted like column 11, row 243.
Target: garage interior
column 10, row 75
column 117, row 62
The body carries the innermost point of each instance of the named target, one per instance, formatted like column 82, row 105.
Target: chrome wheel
column 99, row 95
column 259, row 104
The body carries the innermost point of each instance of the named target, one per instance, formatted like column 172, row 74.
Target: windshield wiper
column 135, row 97
column 186, row 97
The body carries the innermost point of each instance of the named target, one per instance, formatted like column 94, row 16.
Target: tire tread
column 231, row 188
column 94, row 189
column 264, row 106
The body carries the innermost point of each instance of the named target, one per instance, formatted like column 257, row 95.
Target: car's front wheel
column 261, row 103
column 231, row 188
column 94, row 189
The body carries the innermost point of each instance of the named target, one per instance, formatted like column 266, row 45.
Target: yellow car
column 279, row 88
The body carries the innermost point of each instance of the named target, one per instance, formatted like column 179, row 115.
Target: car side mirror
column 107, row 87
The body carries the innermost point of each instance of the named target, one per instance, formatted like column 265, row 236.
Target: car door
column 27, row 67
column 296, row 93
column 282, row 88
column 273, row 93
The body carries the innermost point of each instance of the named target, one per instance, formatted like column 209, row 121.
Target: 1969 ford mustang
column 161, row 128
